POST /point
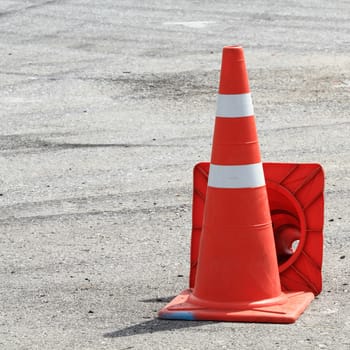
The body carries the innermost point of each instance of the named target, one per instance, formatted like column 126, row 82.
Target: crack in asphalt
column 30, row 7
column 126, row 211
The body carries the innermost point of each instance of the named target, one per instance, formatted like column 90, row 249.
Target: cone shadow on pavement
column 152, row 326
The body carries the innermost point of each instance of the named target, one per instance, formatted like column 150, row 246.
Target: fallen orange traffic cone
column 237, row 276
column 296, row 199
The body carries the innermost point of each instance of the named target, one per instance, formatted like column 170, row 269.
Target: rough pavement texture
column 105, row 106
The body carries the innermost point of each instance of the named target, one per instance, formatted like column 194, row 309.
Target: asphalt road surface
column 105, row 107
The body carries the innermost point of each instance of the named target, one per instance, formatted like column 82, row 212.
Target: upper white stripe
column 233, row 106
column 236, row 176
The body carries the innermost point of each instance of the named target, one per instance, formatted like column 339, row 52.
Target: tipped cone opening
column 289, row 225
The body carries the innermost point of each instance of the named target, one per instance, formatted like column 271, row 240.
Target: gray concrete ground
column 105, row 106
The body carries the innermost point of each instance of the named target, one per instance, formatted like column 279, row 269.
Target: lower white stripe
column 233, row 106
column 236, row 176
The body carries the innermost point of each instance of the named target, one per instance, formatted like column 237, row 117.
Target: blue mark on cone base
column 179, row 315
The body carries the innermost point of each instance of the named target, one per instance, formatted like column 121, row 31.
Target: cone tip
column 233, row 47
column 234, row 53
column 233, row 77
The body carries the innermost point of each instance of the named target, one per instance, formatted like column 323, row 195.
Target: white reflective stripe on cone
column 234, row 106
column 236, row 176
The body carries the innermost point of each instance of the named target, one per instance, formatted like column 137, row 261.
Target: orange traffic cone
column 237, row 276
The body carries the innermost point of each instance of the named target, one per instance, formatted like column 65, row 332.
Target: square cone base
column 181, row 309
